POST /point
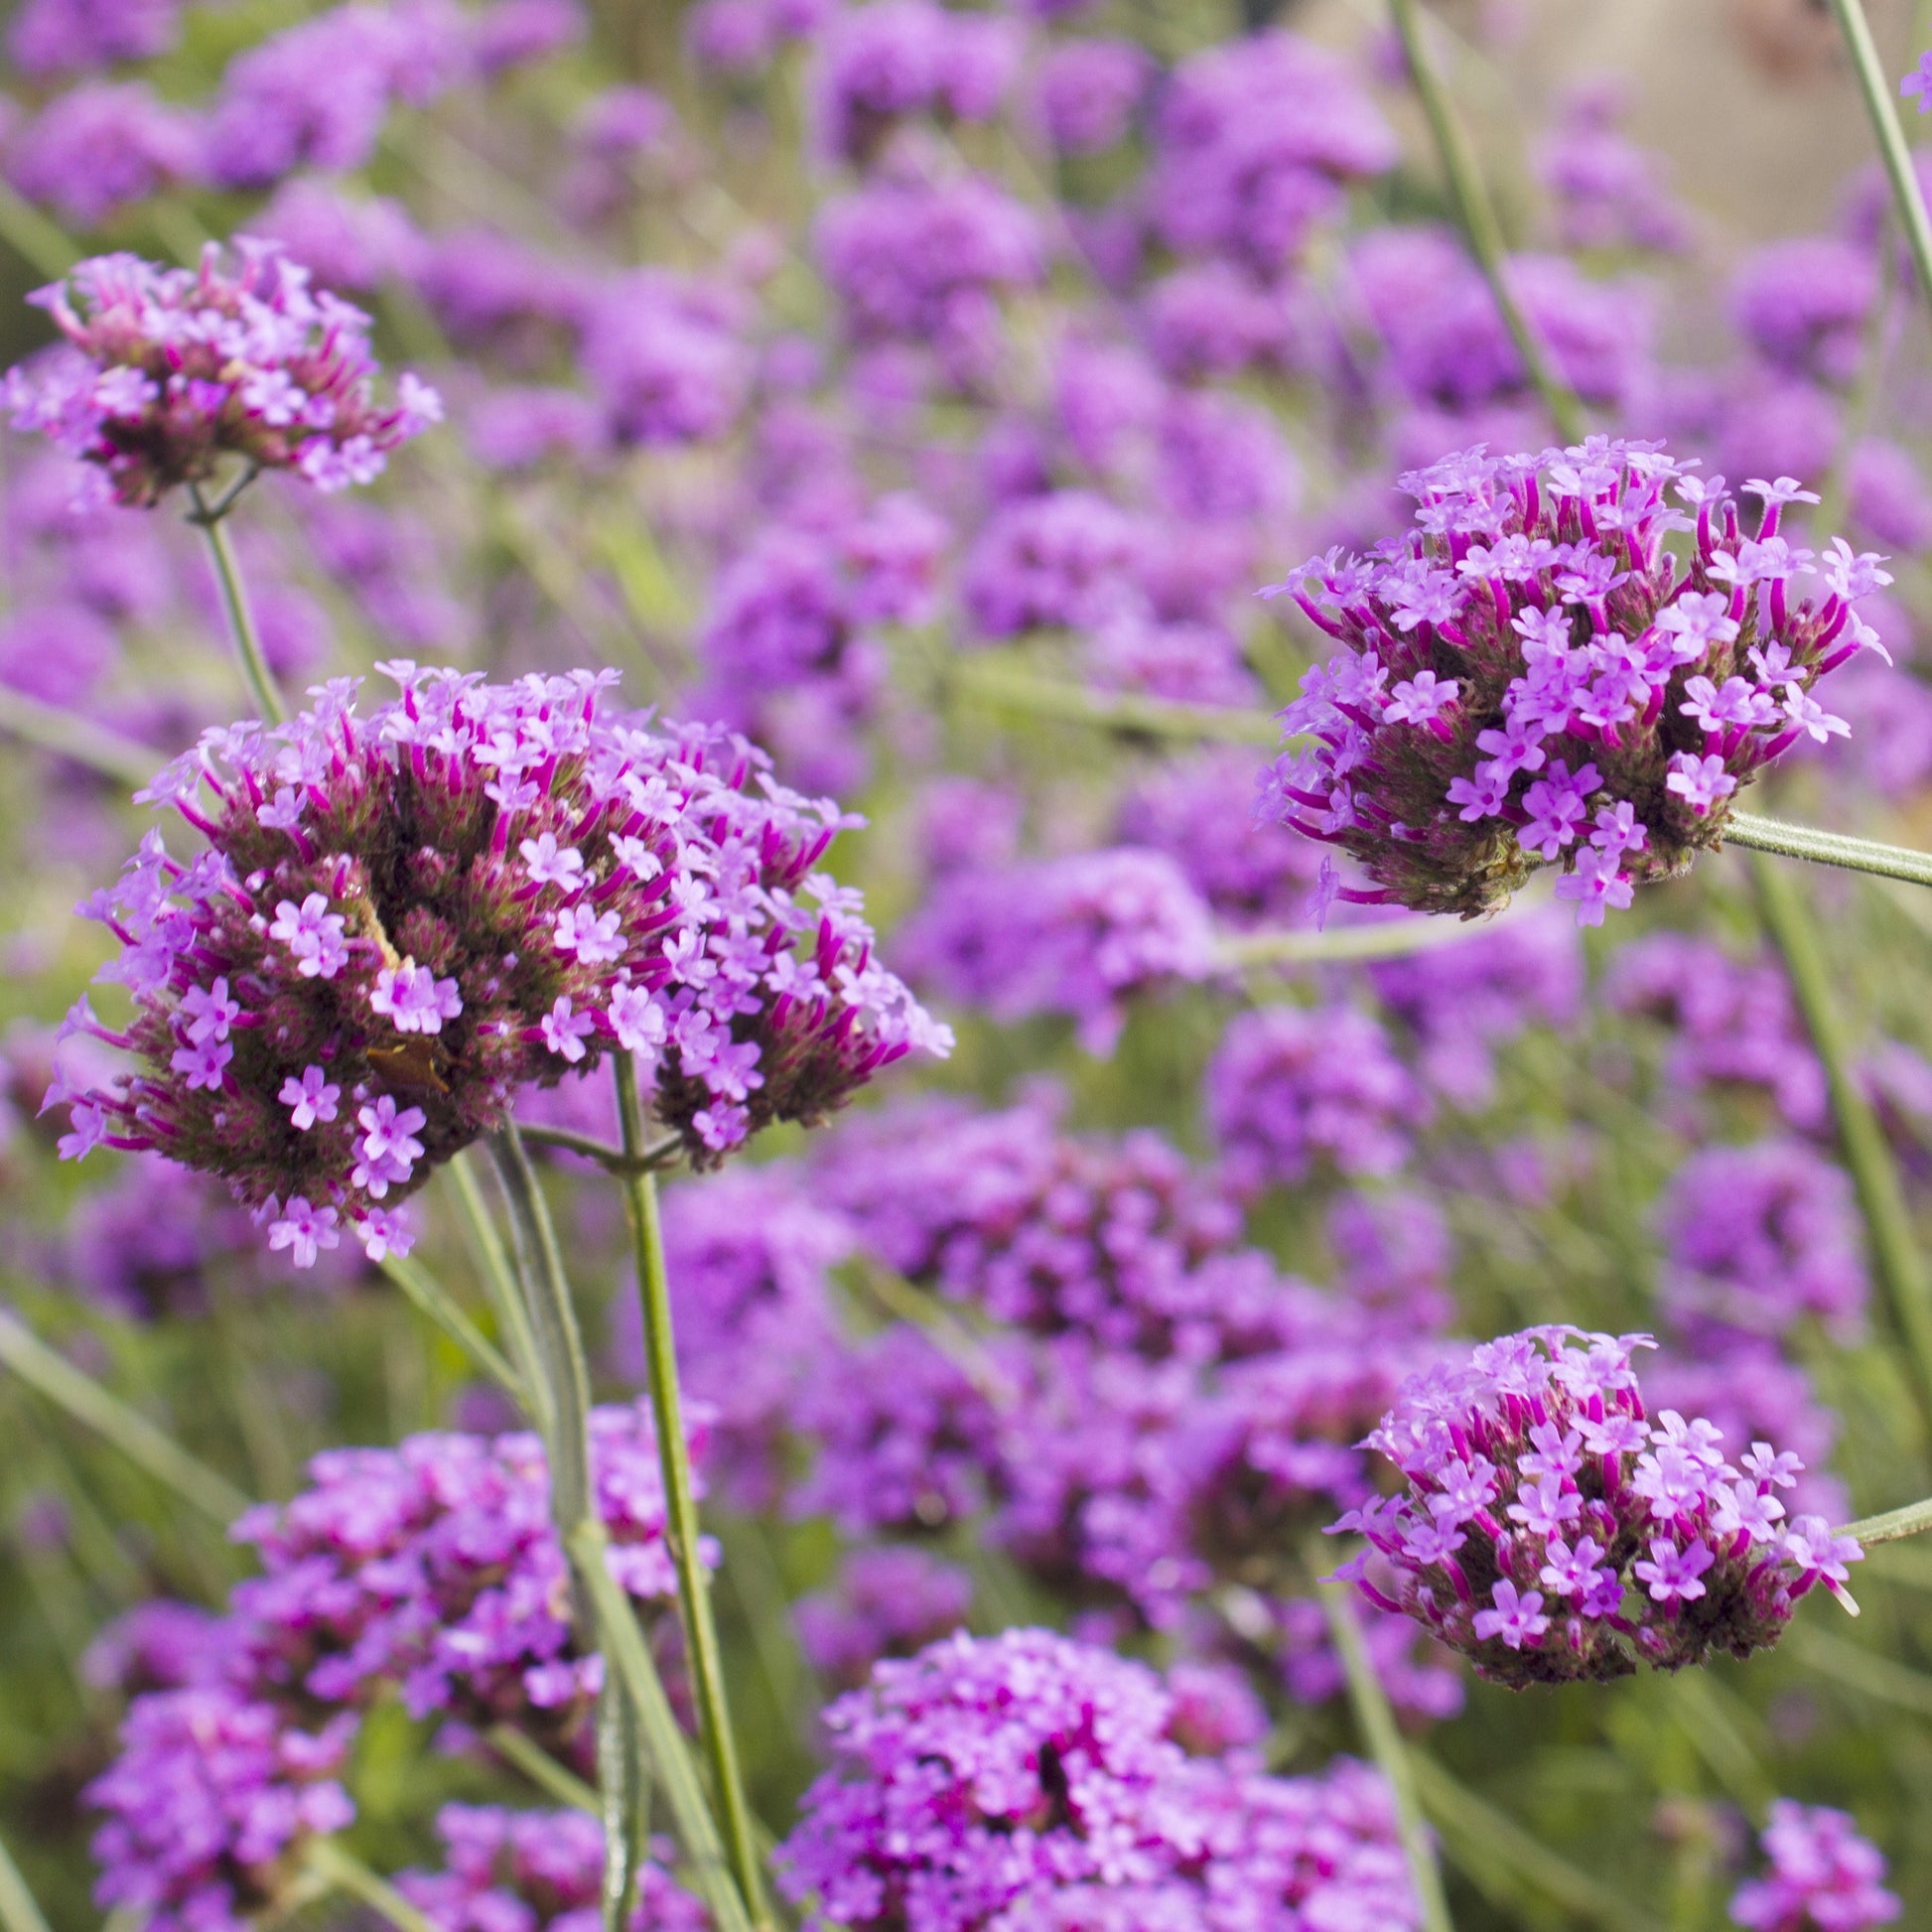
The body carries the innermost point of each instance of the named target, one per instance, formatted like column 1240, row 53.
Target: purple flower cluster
column 1536, row 612
column 1551, row 1532
column 887, row 1601
column 1074, row 936
column 213, row 1792
column 1291, row 1086
column 1823, row 1876
column 1027, row 1780
column 168, row 371
column 879, row 63
column 537, row 1871
column 1759, row 1237
column 402, row 915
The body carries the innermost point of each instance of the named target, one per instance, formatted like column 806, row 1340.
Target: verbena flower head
column 211, row 1794
column 1823, row 1876
column 1532, row 678
column 1551, row 1531
column 435, row 1566
column 172, row 369
column 537, row 1871
column 403, row 913
column 1029, row 1781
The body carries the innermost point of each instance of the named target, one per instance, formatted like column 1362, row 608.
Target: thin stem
column 624, row 1801
column 71, row 736
column 345, row 1871
column 553, row 1779
column 1385, row 940
column 1376, row 1722
column 1891, row 1525
column 1480, row 227
column 1001, row 686
column 906, row 1301
column 613, row 1159
column 1839, row 849
column 680, row 1500
column 435, row 1301
column 1482, row 1838
column 36, row 239
column 1864, row 1670
column 1874, row 1175
column 20, row 1910
column 234, row 601
column 57, row 1378
column 671, row 1754
column 506, row 1298
column 1876, row 86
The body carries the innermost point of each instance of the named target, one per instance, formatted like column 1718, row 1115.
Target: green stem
column 624, row 1801
column 57, row 1378
column 670, row 1755
column 543, row 1770
column 505, row 1296
column 234, row 601
column 613, row 1159
column 1876, row 86
column 1896, row 1685
column 36, row 240
column 1376, row 1722
column 1001, row 686
column 345, row 1871
column 1891, row 1525
column 1480, row 227
column 19, row 1909
column 1839, row 849
column 680, row 1500
column 1385, row 940
column 79, row 738
column 435, row 1301
column 1888, row 1227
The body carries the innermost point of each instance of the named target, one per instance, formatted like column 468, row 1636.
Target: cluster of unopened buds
column 169, row 373
column 400, row 915
column 1532, row 677
column 1550, row 1531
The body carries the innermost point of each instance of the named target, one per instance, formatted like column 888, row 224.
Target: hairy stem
column 1478, row 222
column 1876, row 86
column 57, row 1378
column 1839, row 849
column 1891, row 1525
column 234, row 601
column 680, row 1498
column 1874, row 1175
column 1376, row 1723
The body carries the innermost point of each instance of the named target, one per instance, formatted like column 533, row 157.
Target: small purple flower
column 1919, row 83
column 1513, row 1621
column 1823, row 1873
column 308, row 1099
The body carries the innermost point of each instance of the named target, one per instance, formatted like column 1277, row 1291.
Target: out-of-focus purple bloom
column 879, row 63
column 1212, row 319
column 1919, row 83
column 665, row 357
column 1823, row 1873
column 1393, row 1250
column 490, row 292
column 346, row 242
column 1607, row 190
column 1759, row 1237
column 1086, row 91
column 48, row 36
column 1074, row 936
column 1464, row 1001
column 887, row 1601
column 538, row 1871
column 1252, row 144
column 209, row 1794
column 1729, row 1024
column 166, row 371
column 1199, row 812
column 516, row 33
column 159, row 1646
column 1291, row 1086
column 1804, row 304
column 1049, row 562
column 106, row 143
column 1551, row 1532
column 923, row 262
